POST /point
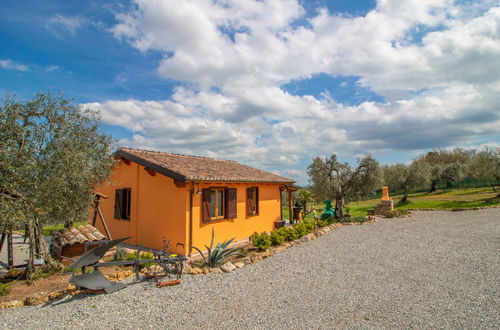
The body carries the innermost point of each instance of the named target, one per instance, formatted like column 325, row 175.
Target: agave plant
column 217, row 254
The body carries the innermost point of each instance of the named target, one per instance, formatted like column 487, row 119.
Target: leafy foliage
column 331, row 178
column 304, row 196
column 261, row 241
column 217, row 254
column 290, row 233
column 277, row 237
column 5, row 288
column 407, row 177
column 322, row 223
column 52, row 155
column 304, row 228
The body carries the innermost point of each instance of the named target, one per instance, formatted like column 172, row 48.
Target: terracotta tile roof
column 194, row 168
column 77, row 235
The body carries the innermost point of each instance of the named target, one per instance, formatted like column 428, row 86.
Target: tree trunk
column 405, row 197
column 38, row 248
column 339, row 206
column 433, row 186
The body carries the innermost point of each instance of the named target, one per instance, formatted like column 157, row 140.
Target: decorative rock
column 36, row 299
column 256, row 258
column 266, row 254
column 187, row 268
column 206, row 270
column 11, row 304
column 215, row 270
column 247, row 260
column 239, row 264
column 195, row 271
column 228, row 267
column 280, row 248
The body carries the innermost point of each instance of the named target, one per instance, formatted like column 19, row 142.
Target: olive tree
column 446, row 166
column 485, row 165
column 407, row 177
column 53, row 153
column 331, row 179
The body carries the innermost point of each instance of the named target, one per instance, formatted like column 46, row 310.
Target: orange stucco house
column 156, row 195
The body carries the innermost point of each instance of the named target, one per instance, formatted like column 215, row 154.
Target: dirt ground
column 21, row 289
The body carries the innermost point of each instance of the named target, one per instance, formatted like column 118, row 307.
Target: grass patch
column 443, row 204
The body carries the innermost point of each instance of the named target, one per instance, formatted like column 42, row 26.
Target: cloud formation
column 11, row 65
column 436, row 63
column 60, row 24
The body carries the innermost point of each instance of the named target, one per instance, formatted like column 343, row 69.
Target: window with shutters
column 218, row 203
column 252, row 201
column 122, row 203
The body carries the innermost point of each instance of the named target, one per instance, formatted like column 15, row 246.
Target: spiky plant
column 217, row 254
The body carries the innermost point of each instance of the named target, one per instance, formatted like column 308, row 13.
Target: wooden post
column 97, row 210
column 2, row 240
column 290, row 208
column 104, row 222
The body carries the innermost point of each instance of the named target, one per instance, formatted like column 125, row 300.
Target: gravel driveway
column 433, row 270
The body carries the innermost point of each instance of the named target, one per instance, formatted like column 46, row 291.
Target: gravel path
column 433, row 270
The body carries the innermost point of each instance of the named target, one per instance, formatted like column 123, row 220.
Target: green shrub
column 290, row 233
column 347, row 210
column 5, row 288
column 395, row 213
column 358, row 218
column 277, row 236
column 304, row 228
column 261, row 241
column 322, row 223
column 219, row 253
column 120, row 254
column 325, row 216
column 331, row 220
column 310, row 225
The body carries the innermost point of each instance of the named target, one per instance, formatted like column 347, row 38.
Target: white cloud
column 437, row 62
column 11, row 65
column 59, row 24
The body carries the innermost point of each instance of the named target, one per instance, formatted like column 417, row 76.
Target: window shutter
column 256, row 192
column 205, row 205
column 127, row 200
column 231, row 203
column 118, row 203
column 249, row 201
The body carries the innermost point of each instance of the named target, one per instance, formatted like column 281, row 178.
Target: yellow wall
column 156, row 208
column 161, row 209
column 243, row 226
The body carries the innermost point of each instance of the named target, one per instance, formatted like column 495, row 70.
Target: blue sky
column 269, row 83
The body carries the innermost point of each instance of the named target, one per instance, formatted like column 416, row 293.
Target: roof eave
column 162, row 170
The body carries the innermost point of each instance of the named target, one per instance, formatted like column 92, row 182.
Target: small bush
column 277, row 236
column 325, row 216
column 120, row 254
column 304, row 228
column 395, row 213
column 358, row 219
column 331, row 220
column 290, row 233
column 322, row 223
column 5, row 288
column 347, row 210
column 261, row 241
